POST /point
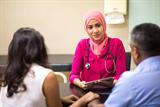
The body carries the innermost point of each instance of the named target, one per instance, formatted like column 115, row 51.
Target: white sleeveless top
column 33, row 96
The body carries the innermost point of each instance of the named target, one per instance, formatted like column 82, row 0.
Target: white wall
column 60, row 21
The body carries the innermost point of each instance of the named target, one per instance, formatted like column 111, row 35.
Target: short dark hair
column 147, row 37
column 26, row 47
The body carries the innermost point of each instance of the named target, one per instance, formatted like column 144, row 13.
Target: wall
column 60, row 21
column 143, row 11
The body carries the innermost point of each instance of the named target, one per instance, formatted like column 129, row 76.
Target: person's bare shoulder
column 51, row 91
column 51, row 76
column 50, row 83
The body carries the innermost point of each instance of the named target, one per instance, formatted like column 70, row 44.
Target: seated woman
column 27, row 80
column 98, row 56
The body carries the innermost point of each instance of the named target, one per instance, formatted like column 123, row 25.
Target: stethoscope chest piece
column 87, row 65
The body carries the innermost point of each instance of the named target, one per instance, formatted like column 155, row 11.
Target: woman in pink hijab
column 98, row 56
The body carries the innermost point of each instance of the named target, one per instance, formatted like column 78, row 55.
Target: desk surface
column 67, row 89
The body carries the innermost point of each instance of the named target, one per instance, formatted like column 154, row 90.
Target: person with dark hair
column 99, row 56
column 28, row 82
column 140, row 88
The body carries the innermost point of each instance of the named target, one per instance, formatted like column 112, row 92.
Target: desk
column 67, row 89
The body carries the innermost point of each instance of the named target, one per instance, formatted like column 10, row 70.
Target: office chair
column 62, row 76
column 60, row 69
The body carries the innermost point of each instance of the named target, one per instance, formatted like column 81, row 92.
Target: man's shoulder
column 128, row 76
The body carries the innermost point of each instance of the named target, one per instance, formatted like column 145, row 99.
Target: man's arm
column 121, row 94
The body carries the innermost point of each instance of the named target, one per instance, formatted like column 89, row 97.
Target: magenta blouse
column 98, row 65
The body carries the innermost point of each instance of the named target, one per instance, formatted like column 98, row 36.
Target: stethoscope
column 87, row 65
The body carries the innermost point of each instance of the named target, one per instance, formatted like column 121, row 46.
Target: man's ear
column 136, row 54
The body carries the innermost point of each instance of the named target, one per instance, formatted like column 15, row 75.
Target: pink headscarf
column 96, row 48
column 94, row 15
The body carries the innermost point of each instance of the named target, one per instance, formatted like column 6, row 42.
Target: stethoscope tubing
column 87, row 65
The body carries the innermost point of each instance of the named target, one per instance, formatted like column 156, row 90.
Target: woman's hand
column 69, row 99
column 95, row 103
column 84, row 100
column 79, row 83
column 83, row 85
column 90, row 96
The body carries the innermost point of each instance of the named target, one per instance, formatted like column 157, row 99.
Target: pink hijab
column 96, row 48
column 94, row 15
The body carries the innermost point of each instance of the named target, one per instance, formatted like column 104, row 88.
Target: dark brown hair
column 27, row 47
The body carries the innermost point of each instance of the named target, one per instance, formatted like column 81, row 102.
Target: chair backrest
column 60, row 70
column 128, row 60
column 62, row 76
